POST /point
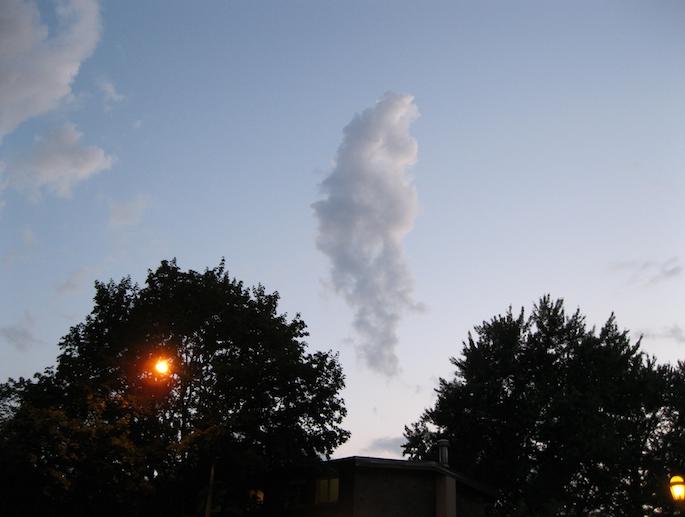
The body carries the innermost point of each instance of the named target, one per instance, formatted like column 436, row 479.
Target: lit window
column 256, row 496
column 326, row 490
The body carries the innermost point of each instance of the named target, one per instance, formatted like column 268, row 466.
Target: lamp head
column 162, row 366
column 677, row 487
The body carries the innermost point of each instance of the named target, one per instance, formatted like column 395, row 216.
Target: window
column 326, row 490
column 256, row 496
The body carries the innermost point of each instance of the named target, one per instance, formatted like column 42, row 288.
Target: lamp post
column 161, row 369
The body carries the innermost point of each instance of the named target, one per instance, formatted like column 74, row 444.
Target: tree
column 561, row 419
column 102, row 433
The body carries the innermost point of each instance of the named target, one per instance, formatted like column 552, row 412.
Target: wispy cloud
column 649, row 272
column 77, row 280
column 57, row 162
column 27, row 236
column 389, row 444
column 39, row 65
column 672, row 333
column 369, row 206
column 110, row 94
column 20, row 335
column 27, row 240
column 127, row 213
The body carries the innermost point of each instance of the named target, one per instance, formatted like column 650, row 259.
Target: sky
column 398, row 171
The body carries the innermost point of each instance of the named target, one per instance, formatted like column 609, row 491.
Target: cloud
column 127, row 213
column 20, row 335
column 57, row 163
column 673, row 333
column 27, row 241
column 28, row 238
column 76, row 281
column 391, row 444
column 650, row 272
column 369, row 206
column 110, row 93
column 3, row 180
column 37, row 65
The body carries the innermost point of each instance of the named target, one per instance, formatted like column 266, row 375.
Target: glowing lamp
column 677, row 486
column 162, row 366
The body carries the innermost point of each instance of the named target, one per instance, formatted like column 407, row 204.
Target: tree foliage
column 560, row 418
column 103, row 433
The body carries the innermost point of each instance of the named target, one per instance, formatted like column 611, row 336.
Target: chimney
column 443, row 448
column 445, row 485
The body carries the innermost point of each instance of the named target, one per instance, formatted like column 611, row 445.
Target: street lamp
column 162, row 366
column 677, row 487
column 162, row 369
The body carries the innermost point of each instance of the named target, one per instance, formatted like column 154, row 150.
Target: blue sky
column 549, row 157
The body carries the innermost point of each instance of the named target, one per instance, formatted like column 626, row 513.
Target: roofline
column 433, row 466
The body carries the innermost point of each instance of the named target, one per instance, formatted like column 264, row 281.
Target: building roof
column 432, row 466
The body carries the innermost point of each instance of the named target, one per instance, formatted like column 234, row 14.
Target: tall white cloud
column 370, row 204
column 57, row 162
column 38, row 66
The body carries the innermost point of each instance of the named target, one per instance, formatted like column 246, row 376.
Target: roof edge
column 434, row 466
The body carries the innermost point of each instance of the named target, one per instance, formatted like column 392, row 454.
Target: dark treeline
column 105, row 433
column 562, row 419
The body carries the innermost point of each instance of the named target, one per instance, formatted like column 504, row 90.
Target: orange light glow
column 162, row 366
column 677, row 486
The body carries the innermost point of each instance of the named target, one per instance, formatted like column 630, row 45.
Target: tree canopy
column 560, row 418
column 104, row 433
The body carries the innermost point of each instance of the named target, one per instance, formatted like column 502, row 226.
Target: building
column 361, row 486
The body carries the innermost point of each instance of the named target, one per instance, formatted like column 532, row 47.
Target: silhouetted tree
column 103, row 434
column 561, row 419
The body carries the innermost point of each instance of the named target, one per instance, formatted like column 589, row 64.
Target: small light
column 162, row 366
column 677, row 486
column 256, row 495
